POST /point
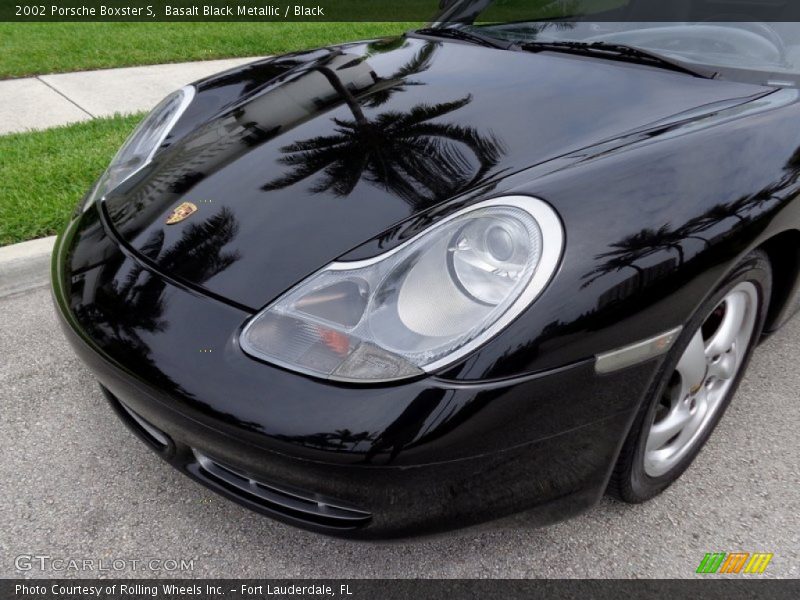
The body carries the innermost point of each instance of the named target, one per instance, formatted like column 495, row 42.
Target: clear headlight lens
column 419, row 307
column 146, row 139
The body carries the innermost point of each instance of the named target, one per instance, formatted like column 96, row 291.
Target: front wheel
column 699, row 378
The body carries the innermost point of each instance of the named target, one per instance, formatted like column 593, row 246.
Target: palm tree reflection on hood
column 406, row 152
column 198, row 255
column 129, row 299
column 397, row 82
column 135, row 301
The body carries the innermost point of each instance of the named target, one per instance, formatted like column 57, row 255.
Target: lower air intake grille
column 297, row 505
column 146, row 430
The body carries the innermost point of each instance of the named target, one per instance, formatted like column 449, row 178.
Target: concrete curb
column 25, row 266
column 35, row 103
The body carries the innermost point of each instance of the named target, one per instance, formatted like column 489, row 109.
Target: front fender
column 653, row 224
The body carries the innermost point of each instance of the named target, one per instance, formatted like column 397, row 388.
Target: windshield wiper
column 619, row 52
column 466, row 36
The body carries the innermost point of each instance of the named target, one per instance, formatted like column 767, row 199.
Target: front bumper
column 422, row 456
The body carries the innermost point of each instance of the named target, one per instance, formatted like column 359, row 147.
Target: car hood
column 292, row 162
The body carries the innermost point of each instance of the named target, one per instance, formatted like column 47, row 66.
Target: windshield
column 765, row 52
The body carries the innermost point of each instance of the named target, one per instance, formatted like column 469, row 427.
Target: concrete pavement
column 77, row 484
column 52, row 100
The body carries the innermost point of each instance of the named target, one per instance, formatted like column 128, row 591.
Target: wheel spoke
column 725, row 367
column 702, row 380
column 664, row 430
column 731, row 325
column 692, row 367
column 695, row 421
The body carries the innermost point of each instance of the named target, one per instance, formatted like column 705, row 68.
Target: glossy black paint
column 158, row 333
column 427, row 455
column 662, row 182
column 347, row 166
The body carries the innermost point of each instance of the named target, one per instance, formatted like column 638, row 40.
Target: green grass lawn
column 36, row 48
column 44, row 174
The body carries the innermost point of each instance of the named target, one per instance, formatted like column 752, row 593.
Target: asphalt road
column 75, row 484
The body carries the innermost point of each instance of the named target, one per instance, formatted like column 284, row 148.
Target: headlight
column 418, row 307
column 146, row 139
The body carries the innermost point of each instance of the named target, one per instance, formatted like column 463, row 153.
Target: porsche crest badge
column 181, row 212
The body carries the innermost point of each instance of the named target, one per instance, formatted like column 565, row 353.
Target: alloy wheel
column 702, row 379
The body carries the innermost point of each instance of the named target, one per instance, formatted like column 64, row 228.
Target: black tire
column 629, row 482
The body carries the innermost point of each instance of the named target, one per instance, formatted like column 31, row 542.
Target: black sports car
column 411, row 284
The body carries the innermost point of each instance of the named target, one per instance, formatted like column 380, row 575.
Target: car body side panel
column 651, row 228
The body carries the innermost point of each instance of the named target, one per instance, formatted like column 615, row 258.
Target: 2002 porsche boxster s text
column 415, row 283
